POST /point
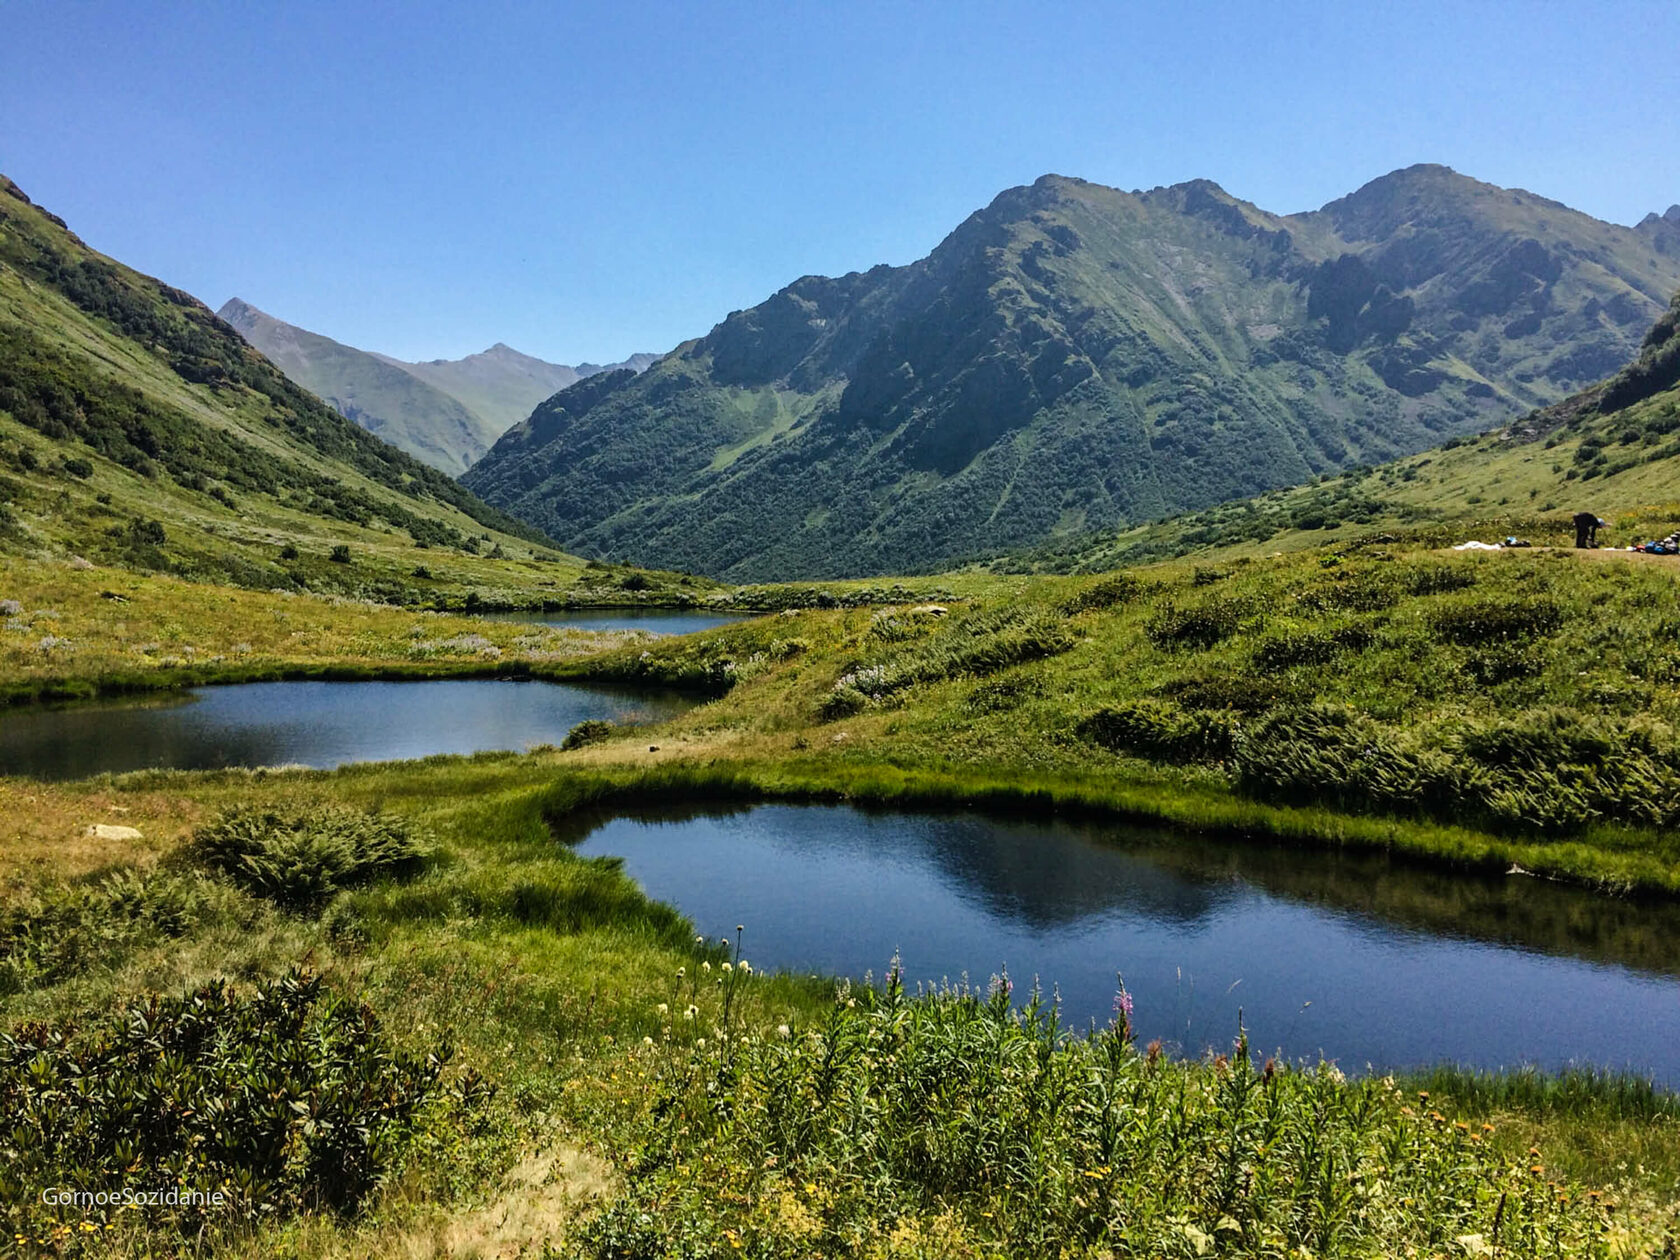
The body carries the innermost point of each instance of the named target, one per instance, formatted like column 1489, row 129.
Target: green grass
column 888, row 1127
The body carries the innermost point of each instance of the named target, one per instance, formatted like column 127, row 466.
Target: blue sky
column 587, row 180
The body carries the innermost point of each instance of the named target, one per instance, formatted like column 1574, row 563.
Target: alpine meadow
column 1151, row 729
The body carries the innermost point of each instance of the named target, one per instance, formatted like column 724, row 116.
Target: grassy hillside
column 139, row 431
column 1075, row 357
column 1613, row 450
column 444, row 412
column 1441, row 708
column 382, row 397
column 502, row 386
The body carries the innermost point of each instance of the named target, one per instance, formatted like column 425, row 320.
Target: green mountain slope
column 137, row 429
column 382, row 397
column 445, row 412
column 1613, row 450
column 1075, row 358
column 501, row 386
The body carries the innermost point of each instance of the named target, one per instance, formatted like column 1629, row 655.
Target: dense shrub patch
column 300, row 860
column 63, row 930
column 1161, row 731
column 281, row 1100
column 978, row 645
column 1496, row 620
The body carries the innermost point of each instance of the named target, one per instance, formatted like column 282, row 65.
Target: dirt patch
column 538, row 1203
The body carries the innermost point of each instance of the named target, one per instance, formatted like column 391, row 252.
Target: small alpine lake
column 317, row 724
column 1364, row 961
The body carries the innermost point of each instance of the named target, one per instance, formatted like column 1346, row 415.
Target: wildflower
column 699, row 1043
column 647, row 1041
column 691, row 1012
column 699, row 940
column 746, row 967
column 681, row 972
column 726, row 968
column 783, row 1031
column 705, row 966
column 663, row 1009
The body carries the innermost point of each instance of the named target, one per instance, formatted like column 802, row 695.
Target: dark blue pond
column 318, row 724
column 1361, row 961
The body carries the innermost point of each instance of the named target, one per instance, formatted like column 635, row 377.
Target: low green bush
column 301, row 860
column 975, row 646
column 60, row 931
column 1198, row 626
column 586, row 733
column 1289, row 649
column 1160, row 731
column 1496, row 620
column 1110, row 592
column 282, row 1100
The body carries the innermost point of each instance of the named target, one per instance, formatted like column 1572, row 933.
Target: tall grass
column 958, row 1123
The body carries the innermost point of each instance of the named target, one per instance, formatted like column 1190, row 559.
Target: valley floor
column 598, row 1099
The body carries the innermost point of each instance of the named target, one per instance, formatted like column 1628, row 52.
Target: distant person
column 1586, row 529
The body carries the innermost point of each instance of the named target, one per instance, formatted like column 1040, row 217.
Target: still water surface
column 1350, row 957
column 653, row 620
column 318, row 724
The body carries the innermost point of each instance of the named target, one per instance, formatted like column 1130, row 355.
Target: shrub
column 64, row 931
column 1493, row 620
column 1201, row 626
column 1110, row 592
column 1308, row 647
column 145, row 532
column 81, row 469
column 585, row 733
column 289, row 551
column 1502, row 663
column 843, row 702
column 977, row 646
column 301, row 860
column 1329, row 754
column 1160, row 731
column 340, row 554
column 1551, row 772
column 285, row 1099
column 1356, row 592
column 1437, row 579
column 1238, row 692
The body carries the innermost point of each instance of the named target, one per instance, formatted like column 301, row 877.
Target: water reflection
column 318, row 724
column 1364, row 960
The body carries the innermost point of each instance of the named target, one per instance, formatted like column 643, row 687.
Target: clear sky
column 587, row 180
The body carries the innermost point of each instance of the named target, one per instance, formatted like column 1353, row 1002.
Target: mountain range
column 1075, row 357
column 139, row 430
column 446, row 412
